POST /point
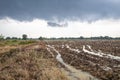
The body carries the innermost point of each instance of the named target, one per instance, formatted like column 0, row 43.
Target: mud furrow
column 75, row 74
column 99, row 66
column 100, row 54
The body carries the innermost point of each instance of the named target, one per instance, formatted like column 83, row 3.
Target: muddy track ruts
column 101, row 67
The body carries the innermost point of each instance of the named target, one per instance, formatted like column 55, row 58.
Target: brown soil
column 100, row 67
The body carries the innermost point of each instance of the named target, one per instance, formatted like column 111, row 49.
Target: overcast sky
column 60, row 18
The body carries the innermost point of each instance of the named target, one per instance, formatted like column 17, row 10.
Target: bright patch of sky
column 39, row 27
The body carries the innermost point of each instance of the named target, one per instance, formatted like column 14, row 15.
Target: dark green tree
column 81, row 37
column 40, row 38
column 8, row 38
column 24, row 37
column 14, row 38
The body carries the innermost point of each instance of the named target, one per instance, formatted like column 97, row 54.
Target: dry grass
column 29, row 65
column 6, row 48
column 53, row 73
column 7, row 45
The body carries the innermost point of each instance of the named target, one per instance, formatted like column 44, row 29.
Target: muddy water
column 100, row 54
column 71, row 72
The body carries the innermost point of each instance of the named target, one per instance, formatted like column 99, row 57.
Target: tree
column 8, row 38
column 40, row 38
column 14, row 38
column 1, row 37
column 81, row 37
column 24, row 36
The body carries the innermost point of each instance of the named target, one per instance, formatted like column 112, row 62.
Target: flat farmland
column 101, row 58
column 61, row 60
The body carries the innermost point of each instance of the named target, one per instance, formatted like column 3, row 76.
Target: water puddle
column 71, row 72
column 100, row 54
column 75, row 50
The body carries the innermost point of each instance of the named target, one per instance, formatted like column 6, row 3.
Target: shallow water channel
column 71, row 72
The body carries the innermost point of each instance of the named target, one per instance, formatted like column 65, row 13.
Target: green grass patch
column 16, row 42
column 26, row 42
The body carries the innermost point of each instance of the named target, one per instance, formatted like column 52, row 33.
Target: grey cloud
column 55, row 24
column 89, row 10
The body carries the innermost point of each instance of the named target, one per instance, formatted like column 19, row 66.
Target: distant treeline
column 93, row 38
column 25, row 37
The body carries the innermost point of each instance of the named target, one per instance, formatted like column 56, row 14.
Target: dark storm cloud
column 89, row 10
column 54, row 24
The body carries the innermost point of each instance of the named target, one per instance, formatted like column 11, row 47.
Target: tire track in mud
column 93, row 54
column 100, row 54
column 101, row 67
column 73, row 73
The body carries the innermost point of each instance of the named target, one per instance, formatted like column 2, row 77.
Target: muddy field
column 99, row 58
column 62, row 60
